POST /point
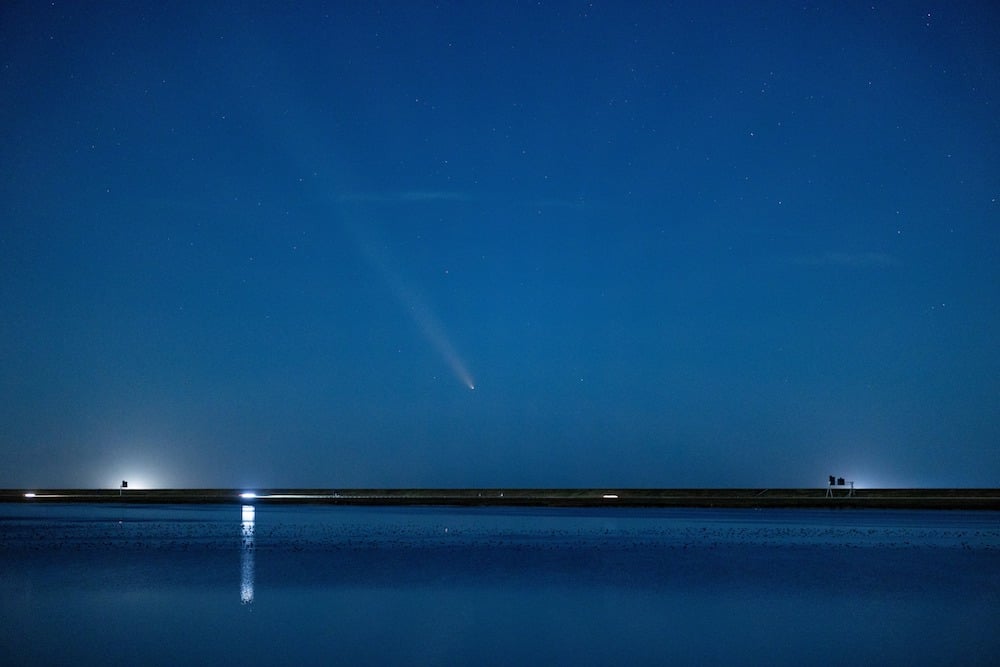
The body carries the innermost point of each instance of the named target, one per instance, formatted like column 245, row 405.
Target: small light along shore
column 814, row 498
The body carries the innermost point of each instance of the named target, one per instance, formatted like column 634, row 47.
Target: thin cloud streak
column 405, row 197
column 857, row 260
column 445, row 196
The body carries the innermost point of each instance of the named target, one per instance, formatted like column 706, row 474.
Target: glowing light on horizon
column 248, row 495
column 138, row 482
column 29, row 495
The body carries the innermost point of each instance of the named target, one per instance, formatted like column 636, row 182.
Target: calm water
column 93, row 585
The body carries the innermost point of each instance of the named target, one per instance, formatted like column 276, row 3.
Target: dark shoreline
column 815, row 498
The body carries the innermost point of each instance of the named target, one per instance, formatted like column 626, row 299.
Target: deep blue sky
column 670, row 244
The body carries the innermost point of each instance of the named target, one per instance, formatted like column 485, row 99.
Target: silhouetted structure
column 838, row 481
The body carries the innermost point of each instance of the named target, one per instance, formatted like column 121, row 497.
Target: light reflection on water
column 246, row 554
column 489, row 586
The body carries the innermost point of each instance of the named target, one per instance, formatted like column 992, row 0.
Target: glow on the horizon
column 867, row 480
column 29, row 495
column 248, row 495
column 138, row 482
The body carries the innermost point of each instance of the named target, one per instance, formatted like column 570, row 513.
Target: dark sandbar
column 815, row 498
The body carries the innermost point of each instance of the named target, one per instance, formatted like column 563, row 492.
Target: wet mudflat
column 222, row 584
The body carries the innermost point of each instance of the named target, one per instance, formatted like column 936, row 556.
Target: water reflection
column 539, row 587
column 246, row 555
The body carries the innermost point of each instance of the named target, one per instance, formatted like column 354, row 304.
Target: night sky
column 499, row 244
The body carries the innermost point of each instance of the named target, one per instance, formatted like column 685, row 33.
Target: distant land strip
column 810, row 498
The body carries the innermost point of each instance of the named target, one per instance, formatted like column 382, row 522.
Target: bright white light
column 611, row 496
column 29, row 495
column 247, row 554
column 136, row 483
column 248, row 495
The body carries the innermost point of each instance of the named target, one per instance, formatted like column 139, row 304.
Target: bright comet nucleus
column 429, row 325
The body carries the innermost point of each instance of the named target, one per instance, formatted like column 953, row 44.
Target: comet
column 429, row 325
column 439, row 340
